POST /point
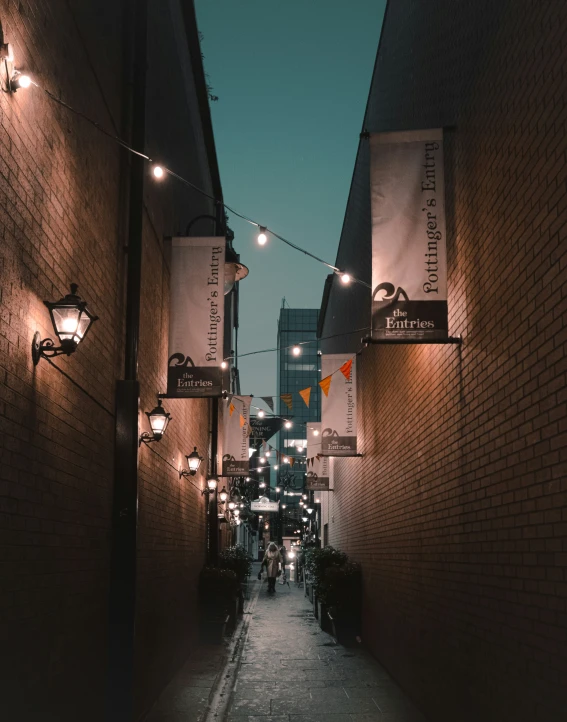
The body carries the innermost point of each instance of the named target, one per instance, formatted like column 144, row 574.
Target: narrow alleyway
column 280, row 667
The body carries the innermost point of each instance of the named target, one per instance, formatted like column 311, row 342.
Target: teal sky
column 292, row 80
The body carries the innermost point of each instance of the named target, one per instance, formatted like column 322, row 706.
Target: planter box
column 323, row 617
column 315, row 606
column 213, row 630
column 343, row 631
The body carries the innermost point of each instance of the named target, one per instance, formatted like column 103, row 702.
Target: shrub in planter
column 318, row 561
column 236, row 559
column 217, row 590
column 341, row 592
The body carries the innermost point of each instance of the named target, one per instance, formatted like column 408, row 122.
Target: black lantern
column 71, row 321
column 234, row 271
column 159, row 419
column 194, row 461
column 223, row 495
column 212, row 484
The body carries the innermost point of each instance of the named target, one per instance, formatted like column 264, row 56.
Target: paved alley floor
column 283, row 668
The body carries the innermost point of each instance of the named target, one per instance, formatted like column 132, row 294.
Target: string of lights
column 20, row 80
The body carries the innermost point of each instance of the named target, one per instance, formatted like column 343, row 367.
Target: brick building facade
column 458, row 508
column 64, row 190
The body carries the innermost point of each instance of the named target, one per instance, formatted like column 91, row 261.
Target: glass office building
column 295, row 373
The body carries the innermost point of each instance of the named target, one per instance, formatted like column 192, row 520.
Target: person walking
column 272, row 561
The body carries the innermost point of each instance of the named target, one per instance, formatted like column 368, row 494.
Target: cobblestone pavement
column 285, row 670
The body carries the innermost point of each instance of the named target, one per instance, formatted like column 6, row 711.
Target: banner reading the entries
column 338, row 408
column 236, row 419
column 409, row 266
column 196, row 317
column 317, row 465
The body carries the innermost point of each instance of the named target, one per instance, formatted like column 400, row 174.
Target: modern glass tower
column 295, row 373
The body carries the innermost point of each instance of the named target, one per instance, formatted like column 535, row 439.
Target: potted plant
column 341, row 593
column 218, row 589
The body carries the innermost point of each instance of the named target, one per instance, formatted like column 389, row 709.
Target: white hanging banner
column 338, row 407
column 409, row 265
column 196, row 320
column 236, row 421
column 317, row 465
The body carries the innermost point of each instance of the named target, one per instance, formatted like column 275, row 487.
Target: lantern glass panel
column 66, row 322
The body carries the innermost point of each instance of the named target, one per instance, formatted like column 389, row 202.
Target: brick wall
column 62, row 220
column 458, row 508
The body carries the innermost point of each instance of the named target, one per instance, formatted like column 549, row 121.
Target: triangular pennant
column 346, row 369
column 242, row 421
column 308, row 462
column 306, row 395
column 231, row 409
column 288, row 400
column 291, row 460
column 313, row 460
column 318, row 457
column 264, row 445
column 269, row 401
column 325, row 384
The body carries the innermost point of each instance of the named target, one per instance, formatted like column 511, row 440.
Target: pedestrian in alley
column 272, row 561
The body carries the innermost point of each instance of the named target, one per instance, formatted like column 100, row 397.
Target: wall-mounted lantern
column 223, row 495
column 71, row 322
column 159, row 419
column 211, row 486
column 193, row 462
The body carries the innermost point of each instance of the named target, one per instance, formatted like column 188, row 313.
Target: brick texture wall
column 62, row 220
column 458, row 508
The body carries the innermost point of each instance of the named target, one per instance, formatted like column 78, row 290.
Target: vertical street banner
column 196, row 317
column 338, row 408
column 317, row 465
column 236, row 422
column 409, row 265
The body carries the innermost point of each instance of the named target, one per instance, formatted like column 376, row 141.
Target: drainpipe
column 122, row 593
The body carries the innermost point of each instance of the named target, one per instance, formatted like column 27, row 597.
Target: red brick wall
column 62, row 220
column 458, row 508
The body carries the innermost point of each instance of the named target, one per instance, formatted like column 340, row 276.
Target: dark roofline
column 194, row 45
column 324, row 303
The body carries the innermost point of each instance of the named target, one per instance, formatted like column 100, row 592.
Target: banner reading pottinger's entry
column 317, row 465
column 409, row 268
column 338, row 408
column 196, row 317
column 236, row 420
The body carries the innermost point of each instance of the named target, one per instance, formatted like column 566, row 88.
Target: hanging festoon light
column 288, row 424
column 71, row 321
column 278, row 489
column 159, row 419
column 286, row 460
column 236, row 512
column 262, row 236
column 223, row 495
column 296, row 350
column 345, row 279
column 261, row 414
column 284, row 506
column 276, row 467
column 224, row 365
column 262, row 460
column 317, row 501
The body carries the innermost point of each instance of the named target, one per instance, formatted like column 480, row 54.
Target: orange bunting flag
column 346, row 369
column 231, row 409
column 288, row 400
column 306, row 395
column 325, row 384
column 242, row 421
column 313, row 460
column 308, row 460
column 291, row 460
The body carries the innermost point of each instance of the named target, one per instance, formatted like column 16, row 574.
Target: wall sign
column 236, row 418
column 196, row 317
column 338, row 408
column 409, row 266
column 317, row 478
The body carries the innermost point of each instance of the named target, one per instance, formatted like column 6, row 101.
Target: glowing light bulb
column 315, row 433
column 24, row 81
column 158, row 171
column 261, row 414
column 286, row 460
column 262, row 485
column 317, row 501
column 262, row 236
column 345, row 279
column 278, row 489
column 224, row 365
column 69, row 324
column 288, row 424
column 296, row 350
column 300, row 449
column 262, row 460
column 276, row 467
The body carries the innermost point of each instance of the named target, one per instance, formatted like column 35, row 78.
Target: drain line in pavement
column 222, row 695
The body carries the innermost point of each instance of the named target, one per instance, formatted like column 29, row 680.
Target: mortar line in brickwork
column 170, row 464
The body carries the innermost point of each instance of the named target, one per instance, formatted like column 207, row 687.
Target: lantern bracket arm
column 46, row 347
column 146, row 438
